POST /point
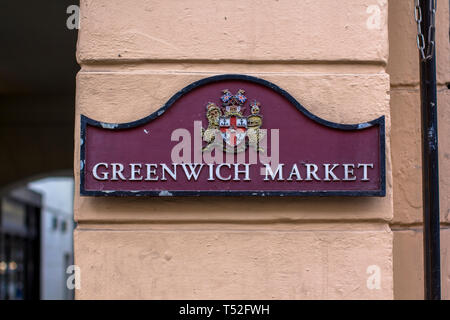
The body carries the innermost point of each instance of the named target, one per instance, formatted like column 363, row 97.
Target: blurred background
column 37, row 99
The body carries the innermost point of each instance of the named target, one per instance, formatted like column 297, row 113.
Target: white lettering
column 104, row 174
column 151, row 170
column 211, row 172
column 365, row 165
column 278, row 171
column 166, row 169
column 117, row 169
column 219, row 175
column 294, row 171
column 246, row 172
column 135, row 169
column 348, row 172
column 192, row 168
column 310, row 172
column 236, row 172
column 329, row 172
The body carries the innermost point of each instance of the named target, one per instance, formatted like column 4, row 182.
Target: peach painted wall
column 403, row 68
column 330, row 55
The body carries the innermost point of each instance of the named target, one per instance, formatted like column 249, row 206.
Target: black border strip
column 117, row 126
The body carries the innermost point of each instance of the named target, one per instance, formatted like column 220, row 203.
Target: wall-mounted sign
column 232, row 135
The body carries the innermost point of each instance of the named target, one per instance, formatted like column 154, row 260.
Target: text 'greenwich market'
column 103, row 171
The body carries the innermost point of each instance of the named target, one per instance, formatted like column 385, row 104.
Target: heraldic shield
column 233, row 129
column 231, row 123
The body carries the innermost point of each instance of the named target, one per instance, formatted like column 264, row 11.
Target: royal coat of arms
column 229, row 122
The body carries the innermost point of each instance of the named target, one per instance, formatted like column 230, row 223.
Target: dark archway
column 37, row 89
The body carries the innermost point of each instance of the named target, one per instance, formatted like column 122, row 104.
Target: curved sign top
column 232, row 135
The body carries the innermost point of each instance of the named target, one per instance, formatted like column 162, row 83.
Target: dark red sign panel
column 232, row 135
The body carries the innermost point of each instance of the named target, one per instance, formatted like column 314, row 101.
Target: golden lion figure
column 213, row 114
column 254, row 123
